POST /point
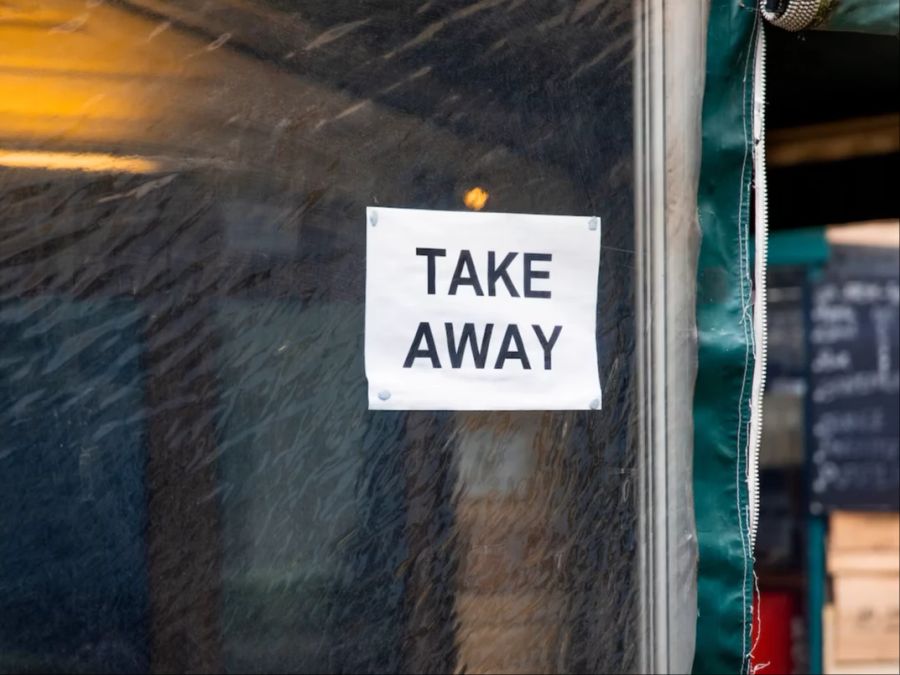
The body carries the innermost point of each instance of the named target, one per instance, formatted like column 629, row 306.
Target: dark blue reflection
column 73, row 579
column 313, row 499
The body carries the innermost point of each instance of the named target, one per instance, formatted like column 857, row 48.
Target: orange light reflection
column 77, row 161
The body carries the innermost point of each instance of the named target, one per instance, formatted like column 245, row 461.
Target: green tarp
column 724, row 321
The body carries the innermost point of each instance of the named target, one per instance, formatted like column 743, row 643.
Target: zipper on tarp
column 760, row 336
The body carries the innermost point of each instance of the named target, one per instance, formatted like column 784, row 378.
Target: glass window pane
column 189, row 475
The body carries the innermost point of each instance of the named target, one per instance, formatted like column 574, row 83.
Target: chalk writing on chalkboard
column 854, row 378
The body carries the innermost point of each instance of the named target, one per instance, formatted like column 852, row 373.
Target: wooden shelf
column 834, row 141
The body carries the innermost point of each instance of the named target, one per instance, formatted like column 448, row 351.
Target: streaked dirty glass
column 189, row 477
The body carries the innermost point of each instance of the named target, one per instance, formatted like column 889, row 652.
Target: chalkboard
column 854, row 351
column 786, row 325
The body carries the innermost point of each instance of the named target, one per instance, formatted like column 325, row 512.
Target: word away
column 512, row 346
column 457, row 350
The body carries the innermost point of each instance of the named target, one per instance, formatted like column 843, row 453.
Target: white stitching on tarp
column 746, row 321
column 758, row 598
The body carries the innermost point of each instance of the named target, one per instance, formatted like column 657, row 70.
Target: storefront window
column 189, row 475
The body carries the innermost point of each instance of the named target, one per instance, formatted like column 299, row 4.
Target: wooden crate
column 859, row 531
column 866, row 617
column 833, row 665
column 863, row 622
column 864, row 542
column 873, row 562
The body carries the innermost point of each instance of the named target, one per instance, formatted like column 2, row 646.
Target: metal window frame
column 669, row 68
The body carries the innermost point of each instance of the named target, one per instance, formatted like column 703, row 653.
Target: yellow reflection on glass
column 96, row 74
column 475, row 198
column 77, row 161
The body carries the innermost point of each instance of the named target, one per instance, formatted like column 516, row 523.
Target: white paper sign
column 481, row 311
